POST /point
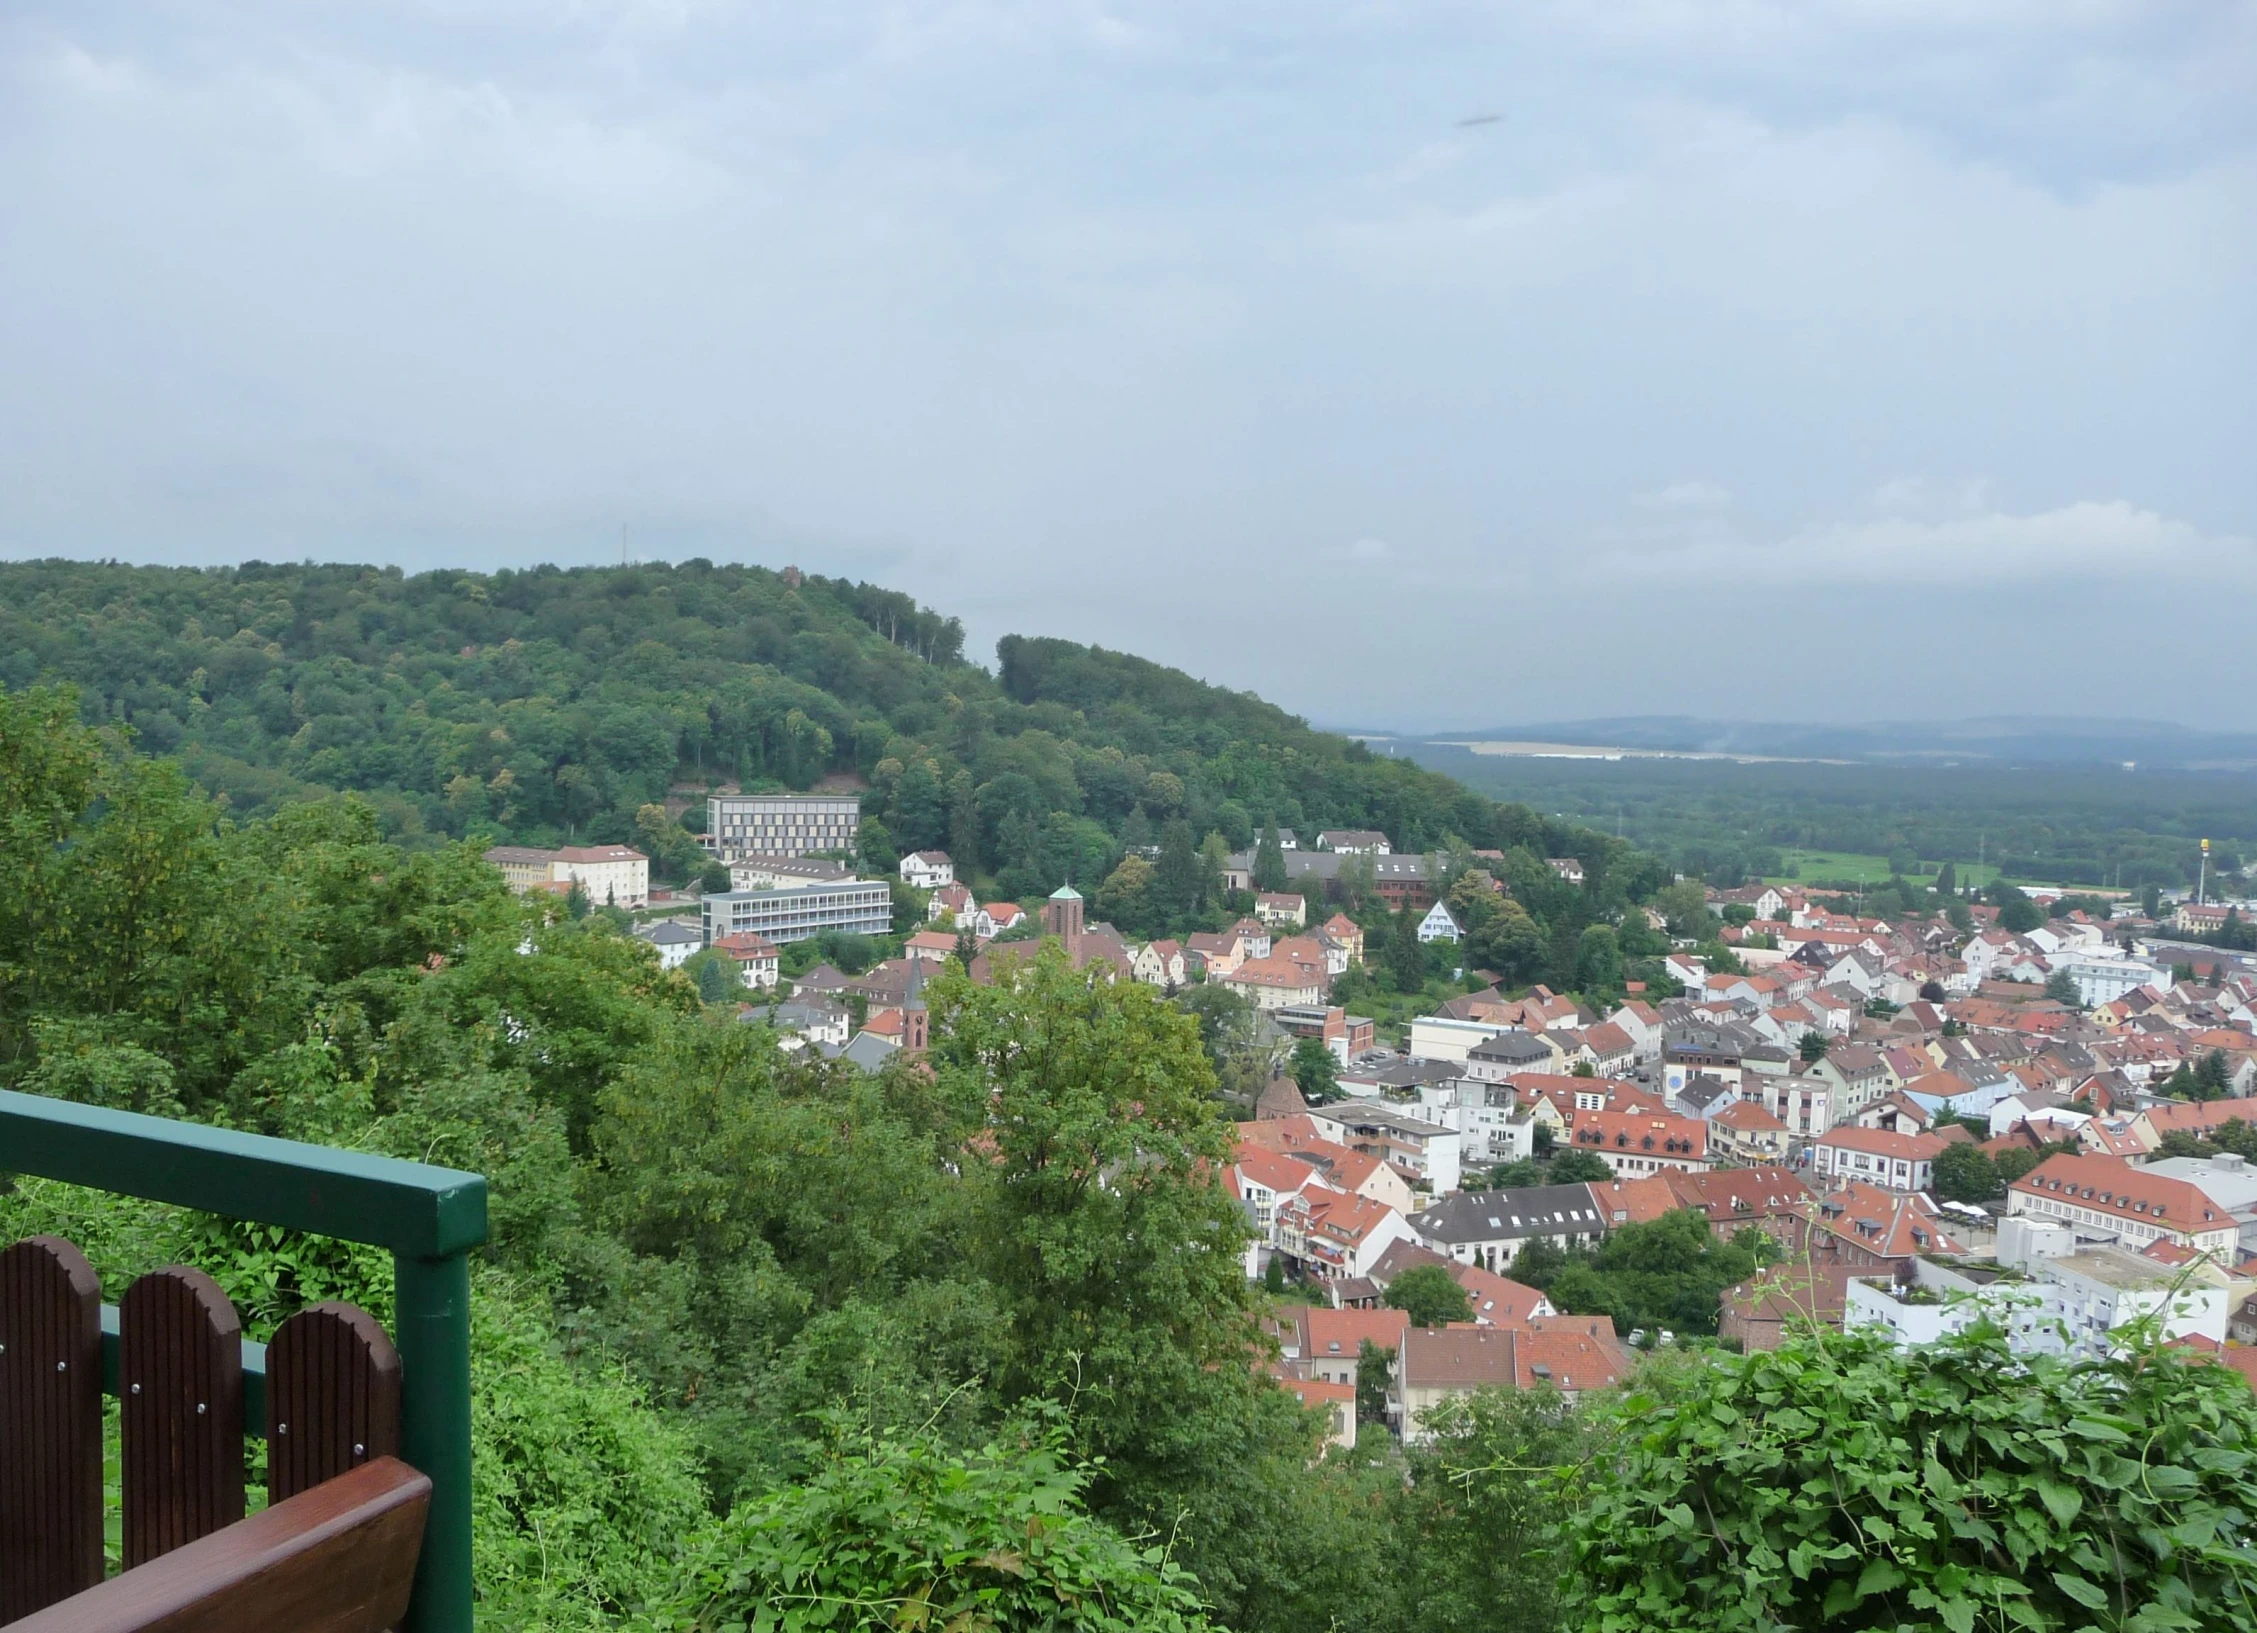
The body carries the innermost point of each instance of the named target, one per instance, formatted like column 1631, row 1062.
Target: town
column 2033, row 1111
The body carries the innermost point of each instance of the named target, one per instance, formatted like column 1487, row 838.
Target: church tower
column 1062, row 915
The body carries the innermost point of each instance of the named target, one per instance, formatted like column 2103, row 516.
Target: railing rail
column 429, row 1218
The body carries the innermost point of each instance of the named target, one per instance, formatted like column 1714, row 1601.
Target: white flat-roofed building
column 862, row 907
column 781, row 824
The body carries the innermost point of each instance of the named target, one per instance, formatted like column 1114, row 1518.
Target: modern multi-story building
column 862, row 907
column 780, row 824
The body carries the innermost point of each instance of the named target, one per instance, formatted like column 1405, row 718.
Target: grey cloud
column 1125, row 321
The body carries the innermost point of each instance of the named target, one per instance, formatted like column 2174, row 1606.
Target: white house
column 674, row 940
column 1877, row 1156
column 928, row 870
column 1439, row 925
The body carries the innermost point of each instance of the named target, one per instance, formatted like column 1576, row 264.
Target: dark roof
column 1491, row 1216
column 1512, row 1046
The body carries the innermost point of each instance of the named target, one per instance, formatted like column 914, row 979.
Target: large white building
column 608, row 875
column 781, row 824
column 862, row 907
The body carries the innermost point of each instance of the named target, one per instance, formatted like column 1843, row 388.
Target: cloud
column 2067, row 548
column 1360, row 550
column 1687, row 496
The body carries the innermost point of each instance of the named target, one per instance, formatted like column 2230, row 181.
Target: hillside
column 544, row 705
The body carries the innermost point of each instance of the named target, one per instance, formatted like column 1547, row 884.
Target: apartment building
column 862, row 907
column 781, row 824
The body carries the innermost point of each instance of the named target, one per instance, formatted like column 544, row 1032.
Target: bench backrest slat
column 50, row 1425
column 333, row 1397
column 180, row 1388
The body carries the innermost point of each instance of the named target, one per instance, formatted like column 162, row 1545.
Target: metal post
column 432, row 1329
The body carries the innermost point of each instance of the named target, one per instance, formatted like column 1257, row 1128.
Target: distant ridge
column 2004, row 740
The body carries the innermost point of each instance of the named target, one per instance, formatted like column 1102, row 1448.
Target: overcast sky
column 1421, row 364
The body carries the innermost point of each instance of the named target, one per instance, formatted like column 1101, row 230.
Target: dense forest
column 2041, row 824
column 548, row 705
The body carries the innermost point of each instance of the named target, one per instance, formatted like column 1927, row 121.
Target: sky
column 1418, row 365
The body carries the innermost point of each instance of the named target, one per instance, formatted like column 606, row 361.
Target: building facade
column 862, row 907
column 781, row 824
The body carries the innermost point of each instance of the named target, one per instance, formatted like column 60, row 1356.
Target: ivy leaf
column 2077, row 1588
column 2064, row 1503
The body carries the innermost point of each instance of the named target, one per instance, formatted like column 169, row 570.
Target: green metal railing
column 430, row 1219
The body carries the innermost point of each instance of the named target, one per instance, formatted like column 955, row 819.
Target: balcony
column 367, row 1433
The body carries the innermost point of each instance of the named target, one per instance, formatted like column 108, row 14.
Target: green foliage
column 1480, row 1520
column 1839, row 1482
column 1576, row 1166
column 1316, row 1070
column 1813, row 1046
column 1374, row 1364
column 1428, row 1295
column 2061, row 987
column 1666, row 1273
column 901, row 1531
column 1966, row 1173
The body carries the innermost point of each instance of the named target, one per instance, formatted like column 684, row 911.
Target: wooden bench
column 334, row 1551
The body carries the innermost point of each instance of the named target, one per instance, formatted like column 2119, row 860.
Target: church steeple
column 1062, row 915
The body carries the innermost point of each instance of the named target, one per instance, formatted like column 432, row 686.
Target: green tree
column 1406, row 954
column 1481, row 1520
column 1947, row 880
column 1578, row 1166
column 1269, row 859
column 1316, row 1070
column 1812, row 1049
column 2061, row 987
column 1428, row 1295
column 2016, row 912
column 1177, row 887
column 1374, row 1374
column 1965, row 1173
column 1598, row 960
column 1506, row 1175
column 1685, row 906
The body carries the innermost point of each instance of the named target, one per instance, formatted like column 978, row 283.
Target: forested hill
column 547, row 705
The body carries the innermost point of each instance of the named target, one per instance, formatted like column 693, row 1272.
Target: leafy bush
column 1838, row 1483
column 897, row 1531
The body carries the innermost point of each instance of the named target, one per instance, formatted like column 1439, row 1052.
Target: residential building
column 1354, row 842
column 523, row 867
column 1276, row 983
column 674, row 939
column 1428, row 1152
column 1159, row 964
column 1488, row 1227
column 1573, row 1354
column 1281, row 909
column 853, row 906
column 1567, row 867
column 1864, row 1227
column 763, row 872
column 1745, row 1132
column 2227, row 1180
column 608, row 875
column 781, row 824
column 1439, row 925
column 928, row 870
column 1876, row 1156
column 757, row 960
column 1436, row 1037
column 1640, row 1143
column 1782, row 1298
column 1334, row 1236
column 2104, row 1199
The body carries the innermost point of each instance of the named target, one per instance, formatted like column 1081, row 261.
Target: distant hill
column 2002, row 741
column 548, row 703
